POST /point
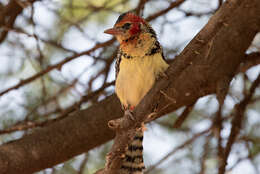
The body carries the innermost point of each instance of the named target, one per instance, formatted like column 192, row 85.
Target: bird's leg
column 129, row 112
column 123, row 107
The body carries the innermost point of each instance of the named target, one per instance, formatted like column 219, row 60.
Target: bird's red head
column 127, row 25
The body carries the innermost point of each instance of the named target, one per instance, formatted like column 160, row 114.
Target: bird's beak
column 113, row 31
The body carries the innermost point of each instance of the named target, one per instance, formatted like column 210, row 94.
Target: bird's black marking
column 133, row 158
column 163, row 57
column 140, row 138
column 153, row 51
column 130, row 38
column 118, row 60
column 125, row 55
column 156, row 48
column 157, row 44
column 135, row 148
column 126, row 26
column 119, row 56
column 133, row 169
column 133, row 161
column 121, row 17
column 151, row 31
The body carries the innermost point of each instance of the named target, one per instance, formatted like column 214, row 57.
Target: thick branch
column 60, row 141
column 214, row 53
column 226, row 37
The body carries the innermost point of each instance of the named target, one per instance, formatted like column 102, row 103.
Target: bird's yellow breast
column 137, row 76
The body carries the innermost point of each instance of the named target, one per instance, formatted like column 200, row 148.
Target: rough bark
column 213, row 54
column 60, row 141
column 205, row 66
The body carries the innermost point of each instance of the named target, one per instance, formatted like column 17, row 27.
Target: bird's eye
column 126, row 26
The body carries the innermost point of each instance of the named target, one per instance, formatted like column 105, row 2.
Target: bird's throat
column 137, row 46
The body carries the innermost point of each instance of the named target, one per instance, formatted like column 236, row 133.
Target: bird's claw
column 129, row 114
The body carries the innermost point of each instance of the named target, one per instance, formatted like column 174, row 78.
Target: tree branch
column 9, row 13
column 76, row 55
column 249, row 61
column 215, row 52
column 237, row 125
column 197, row 74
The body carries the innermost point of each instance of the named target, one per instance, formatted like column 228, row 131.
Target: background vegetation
column 55, row 58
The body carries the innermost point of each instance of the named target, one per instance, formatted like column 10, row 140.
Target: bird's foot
column 129, row 114
column 143, row 127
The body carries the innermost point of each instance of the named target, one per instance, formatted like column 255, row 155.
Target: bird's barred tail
column 133, row 162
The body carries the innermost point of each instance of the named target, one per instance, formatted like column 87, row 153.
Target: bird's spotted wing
column 118, row 60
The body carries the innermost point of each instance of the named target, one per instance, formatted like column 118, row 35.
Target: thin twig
column 189, row 141
column 237, row 124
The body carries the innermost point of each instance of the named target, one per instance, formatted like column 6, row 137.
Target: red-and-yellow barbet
column 139, row 62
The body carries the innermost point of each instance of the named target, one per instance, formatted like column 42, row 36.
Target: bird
column 139, row 63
